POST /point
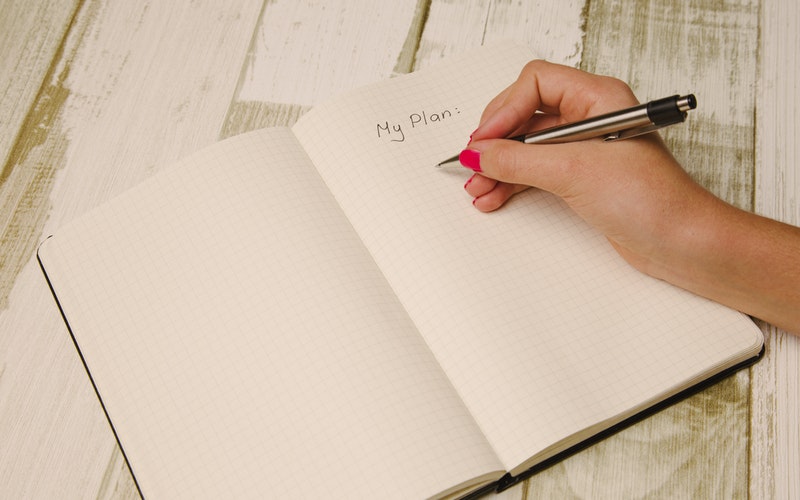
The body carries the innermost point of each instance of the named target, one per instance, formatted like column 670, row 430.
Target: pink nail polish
column 471, row 158
column 468, row 182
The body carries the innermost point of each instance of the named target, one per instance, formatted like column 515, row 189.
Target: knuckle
column 535, row 65
column 616, row 84
column 532, row 70
column 612, row 86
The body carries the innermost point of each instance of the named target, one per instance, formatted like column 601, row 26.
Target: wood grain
column 552, row 29
column 698, row 448
column 135, row 86
column 660, row 48
column 31, row 34
column 775, row 431
column 303, row 52
column 307, row 51
column 97, row 95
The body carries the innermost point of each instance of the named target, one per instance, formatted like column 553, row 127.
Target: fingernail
column 470, row 137
column 471, row 158
column 468, row 182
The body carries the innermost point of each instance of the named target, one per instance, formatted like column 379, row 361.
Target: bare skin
column 634, row 191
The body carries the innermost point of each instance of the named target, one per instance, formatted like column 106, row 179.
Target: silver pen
column 617, row 125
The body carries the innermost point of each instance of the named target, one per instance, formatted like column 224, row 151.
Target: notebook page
column 244, row 343
column 542, row 328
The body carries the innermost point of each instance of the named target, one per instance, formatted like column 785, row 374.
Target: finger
column 494, row 104
column 478, row 185
column 559, row 90
column 497, row 197
column 538, row 121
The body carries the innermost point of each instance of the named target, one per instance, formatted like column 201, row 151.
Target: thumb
column 551, row 167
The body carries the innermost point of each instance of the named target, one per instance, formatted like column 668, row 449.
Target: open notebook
column 319, row 312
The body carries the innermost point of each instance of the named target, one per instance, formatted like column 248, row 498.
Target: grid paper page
column 544, row 330
column 244, row 343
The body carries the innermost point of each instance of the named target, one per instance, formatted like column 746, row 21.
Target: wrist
column 689, row 248
column 737, row 258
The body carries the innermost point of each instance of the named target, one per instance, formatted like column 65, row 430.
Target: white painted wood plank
column 30, row 35
column 778, row 118
column 306, row 51
column 775, row 434
column 774, row 424
column 660, row 48
column 138, row 84
column 699, row 447
column 552, row 29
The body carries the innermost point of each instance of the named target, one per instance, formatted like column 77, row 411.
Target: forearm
column 739, row 259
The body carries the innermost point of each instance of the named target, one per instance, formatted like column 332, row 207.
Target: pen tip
column 448, row 161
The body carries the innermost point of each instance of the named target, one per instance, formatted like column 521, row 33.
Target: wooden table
column 96, row 95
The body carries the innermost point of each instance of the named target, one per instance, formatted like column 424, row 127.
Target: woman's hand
column 635, row 192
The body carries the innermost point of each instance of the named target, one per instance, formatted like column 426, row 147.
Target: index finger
column 566, row 94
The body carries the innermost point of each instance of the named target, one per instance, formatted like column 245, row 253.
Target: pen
column 622, row 124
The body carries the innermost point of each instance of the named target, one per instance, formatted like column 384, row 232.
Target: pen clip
column 637, row 131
